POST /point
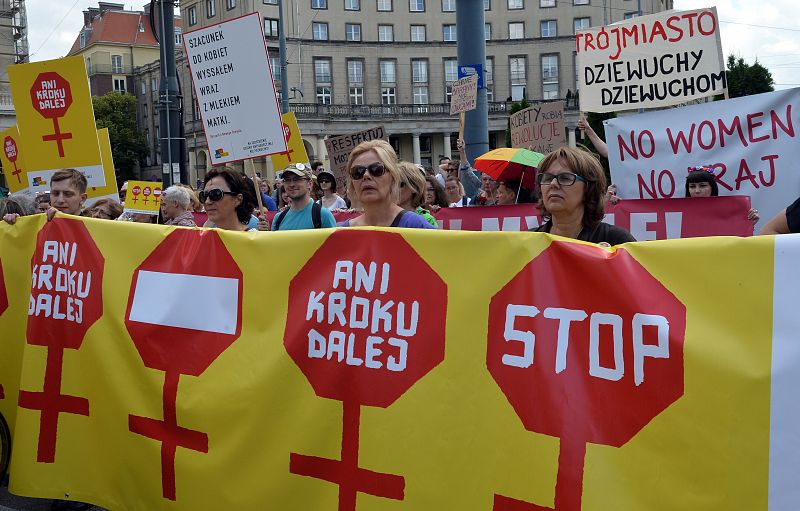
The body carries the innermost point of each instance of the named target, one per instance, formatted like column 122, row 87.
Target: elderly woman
column 228, row 199
column 572, row 202
column 374, row 184
column 105, row 209
column 175, row 205
column 412, row 191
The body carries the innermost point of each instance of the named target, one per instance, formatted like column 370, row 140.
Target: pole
column 472, row 50
column 282, row 57
column 169, row 103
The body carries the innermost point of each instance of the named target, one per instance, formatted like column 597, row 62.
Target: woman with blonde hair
column 412, row 191
column 373, row 183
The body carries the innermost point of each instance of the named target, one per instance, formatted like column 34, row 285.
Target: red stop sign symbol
column 51, row 96
column 157, row 194
column 171, row 336
column 363, row 332
column 563, row 326
column 66, row 300
column 146, row 192
column 10, row 148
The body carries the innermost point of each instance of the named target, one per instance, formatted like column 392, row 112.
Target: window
column 517, row 66
column 487, row 31
column 319, row 4
column 419, row 71
column 192, row 15
column 487, row 5
column 388, row 96
column 275, row 66
column 355, row 80
column 356, row 95
column 516, row 30
column 270, row 2
column 322, row 77
column 582, row 24
column 270, row 27
column 416, row 5
column 421, row 95
column 550, row 77
column 547, row 3
column 580, row 2
column 153, row 84
column 388, row 71
column 324, row 95
column 319, row 31
column 450, row 75
column 488, row 70
column 211, row 8
column 83, row 39
column 386, row 33
column 352, row 31
column 448, row 5
column 448, row 33
column 178, row 36
column 630, row 15
column 141, row 27
column 230, row 4
column 119, row 85
column 116, row 63
column 549, row 28
column 515, row 4
column 352, row 5
column 417, row 33
column 143, row 90
column 384, row 5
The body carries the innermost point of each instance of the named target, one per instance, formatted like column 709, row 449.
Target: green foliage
column 117, row 112
column 745, row 79
column 515, row 107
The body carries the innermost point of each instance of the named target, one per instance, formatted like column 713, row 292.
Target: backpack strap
column 279, row 218
column 316, row 215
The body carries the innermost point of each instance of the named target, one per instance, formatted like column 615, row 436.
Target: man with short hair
column 304, row 213
column 67, row 194
column 317, row 167
column 175, row 203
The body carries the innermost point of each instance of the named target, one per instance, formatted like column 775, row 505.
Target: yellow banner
column 380, row 373
column 143, row 197
column 294, row 141
column 14, row 167
column 56, row 119
column 110, row 190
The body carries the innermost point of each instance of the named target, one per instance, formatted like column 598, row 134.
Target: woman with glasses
column 374, row 184
column 572, row 201
column 228, row 199
column 330, row 199
column 105, row 209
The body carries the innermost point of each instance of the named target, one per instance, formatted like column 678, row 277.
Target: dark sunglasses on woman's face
column 320, row 181
column 564, row 179
column 375, row 170
column 215, row 195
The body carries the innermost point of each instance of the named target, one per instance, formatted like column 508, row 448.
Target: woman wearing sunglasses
column 374, row 184
column 572, row 202
column 228, row 199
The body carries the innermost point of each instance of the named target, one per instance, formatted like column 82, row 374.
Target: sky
column 752, row 29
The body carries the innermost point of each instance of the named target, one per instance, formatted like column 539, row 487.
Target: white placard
column 464, row 95
column 232, row 81
column 752, row 143
column 651, row 61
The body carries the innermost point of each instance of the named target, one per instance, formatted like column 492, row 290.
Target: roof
column 119, row 27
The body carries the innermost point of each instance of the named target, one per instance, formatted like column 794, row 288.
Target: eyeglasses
column 294, row 179
column 564, row 179
column 320, row 181
column 215, row 195
column 375, row 170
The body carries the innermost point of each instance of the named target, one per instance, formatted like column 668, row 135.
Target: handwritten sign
column 340, row 147
column 540, row 127
column 651, row 61
column 233, row 84
column 465, row 95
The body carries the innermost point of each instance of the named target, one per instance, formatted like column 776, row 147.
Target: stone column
column 571, row 137
column 446, row 141
column 415, row 146
column 322, row 153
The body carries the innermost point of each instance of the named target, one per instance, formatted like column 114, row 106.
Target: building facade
column 13, row 50
column 355, row 64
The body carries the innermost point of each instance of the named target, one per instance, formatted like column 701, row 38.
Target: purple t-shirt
column 407, row 219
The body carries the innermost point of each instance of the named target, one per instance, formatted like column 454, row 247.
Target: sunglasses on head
column 215, row 195
column 375, row 170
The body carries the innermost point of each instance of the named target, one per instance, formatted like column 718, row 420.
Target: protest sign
column 110, row 190
column 343, row 381
column 465, row 95
column 235, row 94
column 651, row 61
column 539, row 127
column 143, row 197
column 339, row 148
column 751, row 142
column 14, row 167
column 296, row 150
column 56, row 120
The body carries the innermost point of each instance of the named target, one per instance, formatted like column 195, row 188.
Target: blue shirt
column 295, row 220
column 268, row 202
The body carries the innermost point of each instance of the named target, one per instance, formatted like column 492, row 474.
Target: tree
column 117, row 112
column 515, row 107
column 745, row 80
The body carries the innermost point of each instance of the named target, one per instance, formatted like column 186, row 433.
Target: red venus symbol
column 135, row 191
column 618, row 356
column 10, row 148
column 157, row 194
column 51, row 96
column 356, row 359
column 66, row 300
column 171, row 336
column 146, row 192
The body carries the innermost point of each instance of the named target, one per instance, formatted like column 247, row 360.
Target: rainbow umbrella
column 507, row 164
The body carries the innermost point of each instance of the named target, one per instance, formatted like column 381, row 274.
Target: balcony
column 108, row 69
column 316, row 111
column 6, row 105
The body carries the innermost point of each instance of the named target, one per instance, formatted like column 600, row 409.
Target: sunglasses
column 375, row 170
column 564, row 179
column 215, row 195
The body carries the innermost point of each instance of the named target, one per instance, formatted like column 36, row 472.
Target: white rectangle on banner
column 233, row 84
column 160, row 299
column 39, row 180
column 752, row 143
column 650, row 61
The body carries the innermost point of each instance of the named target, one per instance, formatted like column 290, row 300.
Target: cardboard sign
column 56, row 120
column 296, row 152
column 339, row 148
column 539, row 127
column 651, row 61
column 14, row 167
column 110, row 190
column 235, row 94
column 143, row 197
column 752, row 143
column 465, row 95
